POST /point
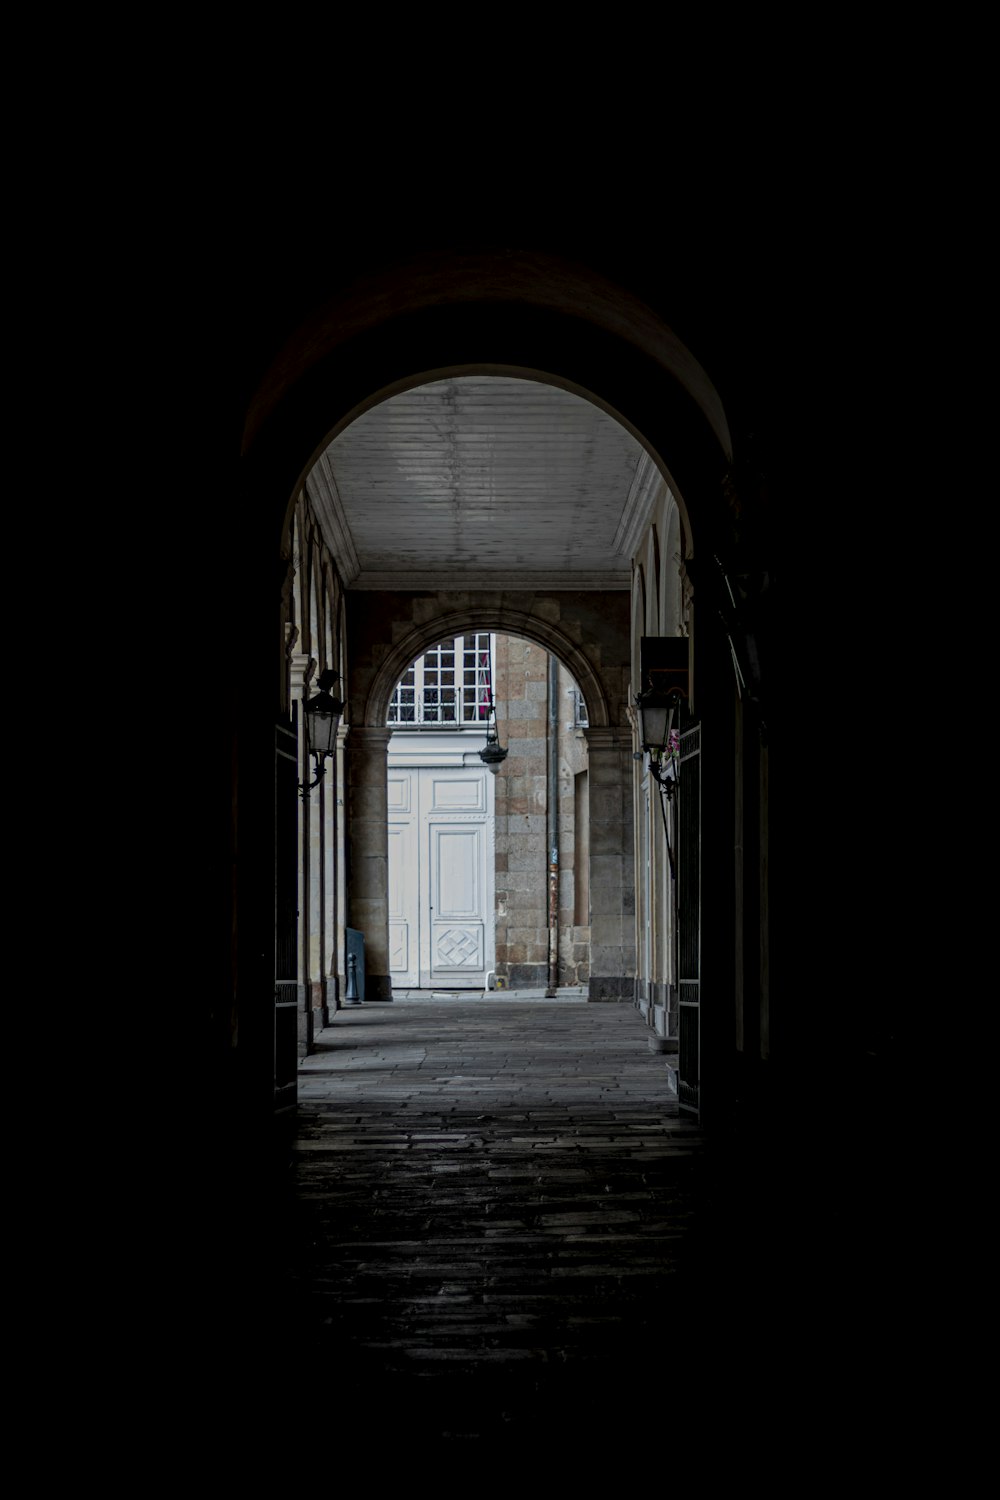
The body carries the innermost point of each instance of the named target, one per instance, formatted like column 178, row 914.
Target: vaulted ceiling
column 486, row 479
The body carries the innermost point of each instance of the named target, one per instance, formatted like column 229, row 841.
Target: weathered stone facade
column 574, row 840
column 522, row 811
column 616, row 946
column 588, row 634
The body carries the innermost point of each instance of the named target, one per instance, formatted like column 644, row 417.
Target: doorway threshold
column 572, row 994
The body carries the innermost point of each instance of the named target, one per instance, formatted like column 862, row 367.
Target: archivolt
column 503, row 617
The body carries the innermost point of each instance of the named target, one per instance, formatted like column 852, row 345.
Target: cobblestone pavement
column 498, row 1233
column 491, row 1233
column 496, row 1199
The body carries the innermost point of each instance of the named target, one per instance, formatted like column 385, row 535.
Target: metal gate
column 286, row 915
column 689, row 919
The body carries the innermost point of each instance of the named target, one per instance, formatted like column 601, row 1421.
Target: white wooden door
column 404, row 885
column 441, row 926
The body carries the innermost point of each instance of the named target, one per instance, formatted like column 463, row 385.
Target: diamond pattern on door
column 457, row 946
column 441, row 850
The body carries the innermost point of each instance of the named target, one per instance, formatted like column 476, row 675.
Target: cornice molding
column 360, row 737
column 611, row 737
column 321, row 489
column 638, row 509
column 457, row 577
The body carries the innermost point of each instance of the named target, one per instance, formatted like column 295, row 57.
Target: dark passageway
column 493, row 1233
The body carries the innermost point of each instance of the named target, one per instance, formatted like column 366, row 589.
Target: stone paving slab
column 495, row 1234
column 491, row 1204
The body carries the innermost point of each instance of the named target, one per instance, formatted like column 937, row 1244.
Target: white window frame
column 439, row 694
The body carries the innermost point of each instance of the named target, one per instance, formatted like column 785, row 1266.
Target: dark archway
column 410, row 323
column 541, row 318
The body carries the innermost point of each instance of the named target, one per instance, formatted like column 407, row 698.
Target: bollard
column 352, row 997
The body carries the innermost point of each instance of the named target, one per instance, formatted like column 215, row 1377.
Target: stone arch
column 426, row 293
column 501, row 616
column 534, row 317
column 540, row 375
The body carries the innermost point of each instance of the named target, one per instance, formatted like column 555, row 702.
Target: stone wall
column 588, row 632
column 574, row 842
column 522, row 869
column 521, row 694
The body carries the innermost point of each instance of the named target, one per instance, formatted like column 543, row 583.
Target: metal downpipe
column 552, row 827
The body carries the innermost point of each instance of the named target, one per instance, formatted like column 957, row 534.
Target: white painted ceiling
column 485, row 480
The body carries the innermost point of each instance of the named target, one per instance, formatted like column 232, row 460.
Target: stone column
column 337, row 970
column 368, row 852
column 612, row 873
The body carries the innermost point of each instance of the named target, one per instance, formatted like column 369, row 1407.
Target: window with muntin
column 451, row 684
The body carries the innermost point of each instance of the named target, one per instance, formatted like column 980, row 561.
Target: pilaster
column 612, row 875
column 368, row 852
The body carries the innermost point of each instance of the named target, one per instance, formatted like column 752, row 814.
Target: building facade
column 519, row 918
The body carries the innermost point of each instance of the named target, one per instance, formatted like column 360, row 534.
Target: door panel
column 453, row 804
column 455, row 861
column 404, row 880
column 441, row 929
column 402, row 922
column 458, row 792
column 457, row 917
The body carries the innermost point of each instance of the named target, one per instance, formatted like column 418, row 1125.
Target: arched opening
column 488, row 867
column 323, row 351
column 652, row 387
column 556, row 495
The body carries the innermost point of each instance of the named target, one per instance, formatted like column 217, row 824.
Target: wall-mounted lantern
column 321, row 718
column 664, row 668
column 658, row 707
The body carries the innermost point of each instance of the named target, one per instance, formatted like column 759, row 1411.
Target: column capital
column 611, row 737
column 360, row 738
column 301, row 669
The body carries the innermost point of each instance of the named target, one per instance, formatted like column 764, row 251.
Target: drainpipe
column 552, row 831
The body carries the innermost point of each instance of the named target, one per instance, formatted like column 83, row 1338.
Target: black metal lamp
column 492, row 754
column 657, row 708
column 321, row 718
